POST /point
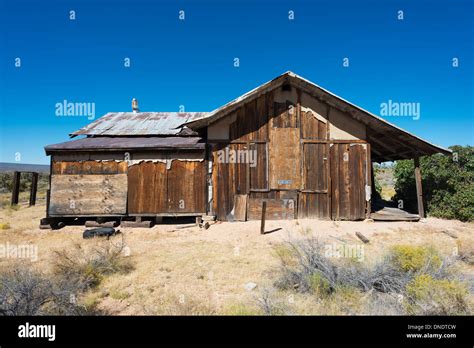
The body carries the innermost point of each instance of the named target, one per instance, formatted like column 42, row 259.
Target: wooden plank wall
column 88, row 188
column 91, row 194
column 154, row 189
column 285, row 160
column 294, row 160
column 147, row 188
column 89, row 167
column 277, row 209
column 311, row 127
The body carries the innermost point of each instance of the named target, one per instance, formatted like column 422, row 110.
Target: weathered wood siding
column 285, row 159
column 154, row 189
column 296, row 157
column 89, row 167
column 82, row 188
column 277, row 209
column 91, row 194
column 228, row 178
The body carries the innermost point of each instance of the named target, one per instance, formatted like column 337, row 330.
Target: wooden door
column 348, row 180
column 313, row 200
column 229, row 178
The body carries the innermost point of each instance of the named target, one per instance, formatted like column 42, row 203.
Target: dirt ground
column 196, row 271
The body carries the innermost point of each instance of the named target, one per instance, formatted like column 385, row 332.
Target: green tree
column 448, row 184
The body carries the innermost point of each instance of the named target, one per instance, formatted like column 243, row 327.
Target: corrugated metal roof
column 139, row 123
column 125, row 143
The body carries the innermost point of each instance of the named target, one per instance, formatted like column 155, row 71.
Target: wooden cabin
column 303, row 150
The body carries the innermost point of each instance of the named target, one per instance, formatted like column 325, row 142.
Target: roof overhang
column 127, row 144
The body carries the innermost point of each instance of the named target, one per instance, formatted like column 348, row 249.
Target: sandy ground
column 192, row 270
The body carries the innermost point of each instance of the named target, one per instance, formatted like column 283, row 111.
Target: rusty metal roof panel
column 128, row 143
column 139, row 123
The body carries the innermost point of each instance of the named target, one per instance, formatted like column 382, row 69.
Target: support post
column 16, row 187
column 369, row 182
column 34, row 188
column 419, row 189
column 262, row 224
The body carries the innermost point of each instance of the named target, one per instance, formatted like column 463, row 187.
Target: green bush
column 448, row 184
column 409, row 258
column 429, row 296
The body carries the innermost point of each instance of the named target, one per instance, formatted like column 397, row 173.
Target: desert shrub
column 419, row 274
column 448, row 185
column 4, row 226
column 269, row 303
column 241, row 309
column 119, row 295
column 315, row 271
column 189, row 305
column 429, row 296
column 86, row 268
column 319, row 284
column 410, row 258
column 306, row 264
column 378, row 187
column 466, row 252
column 24, row 291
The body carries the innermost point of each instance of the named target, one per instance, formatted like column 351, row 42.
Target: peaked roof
column 388, row 141
column 139, row 123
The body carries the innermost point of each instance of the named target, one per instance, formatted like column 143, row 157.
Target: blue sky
column 191, row 62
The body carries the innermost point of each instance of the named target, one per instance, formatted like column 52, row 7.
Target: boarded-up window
column 258, row 166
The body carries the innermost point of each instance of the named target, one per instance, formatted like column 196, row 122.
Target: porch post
column 369, row 183
column 419, row 190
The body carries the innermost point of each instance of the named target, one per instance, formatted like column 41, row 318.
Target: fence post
column 16, row 187
column 34, row 188
column 262, row 224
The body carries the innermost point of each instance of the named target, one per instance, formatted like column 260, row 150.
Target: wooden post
column 34, row 188
column 370, row 181
column 262, row 224
column 16, row 187
column 419, row 189
column 48, row 196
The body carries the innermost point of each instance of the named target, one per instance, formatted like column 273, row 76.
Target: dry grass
column 193, row 271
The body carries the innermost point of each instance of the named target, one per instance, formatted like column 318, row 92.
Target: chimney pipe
column 135, row 105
